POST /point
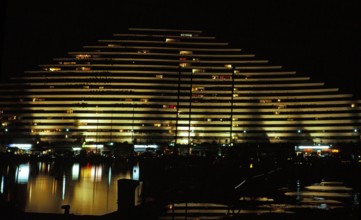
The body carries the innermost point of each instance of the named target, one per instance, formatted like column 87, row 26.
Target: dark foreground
column 141, row 213
column 191, row 180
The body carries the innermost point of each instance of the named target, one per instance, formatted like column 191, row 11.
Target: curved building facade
column 163, row 86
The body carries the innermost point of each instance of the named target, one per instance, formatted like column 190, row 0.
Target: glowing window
column 82, row 56
column 198, row 70
column 143, row 51
column 184, row 64
column 265, row 100
column 83, row 68
column 185, row 52
column 54, row 69
column 170, row 40
column 69, row 63
column 186, row 35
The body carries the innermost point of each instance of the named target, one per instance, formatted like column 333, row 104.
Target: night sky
column 320, row 39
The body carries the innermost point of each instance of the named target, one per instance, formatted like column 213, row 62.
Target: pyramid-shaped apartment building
column 166, row 86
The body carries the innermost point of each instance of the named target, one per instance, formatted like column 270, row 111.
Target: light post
column 232, row 100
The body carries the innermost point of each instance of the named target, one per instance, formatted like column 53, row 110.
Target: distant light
column 313, row 147
column 94, row 145
column 244, row 131
column 6, row 130
column 355, row 130
column 111, row 143
column 67, row 129
column 154, row 146
column 21, row 146
column 298, row 131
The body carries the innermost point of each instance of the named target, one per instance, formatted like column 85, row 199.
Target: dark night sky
column 319, row 38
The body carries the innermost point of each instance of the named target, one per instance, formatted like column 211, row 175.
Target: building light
column 184, row 64
column 170, row 40
column 94, row 145
column 319, row 147
column 68, row 63
column 185, row 52
column 198, row 70
column 54, row 69
column 186, row 35
column 143, row 51
column 265, row 100
column 21, row 146
column 83, row 68
column 82, row 56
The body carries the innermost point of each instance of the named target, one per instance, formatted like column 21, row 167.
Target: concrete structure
column 162, row 86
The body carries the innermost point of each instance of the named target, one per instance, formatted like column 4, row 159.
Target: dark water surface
column 91, row 188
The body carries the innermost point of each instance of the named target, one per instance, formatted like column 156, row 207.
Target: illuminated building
column 161, row 86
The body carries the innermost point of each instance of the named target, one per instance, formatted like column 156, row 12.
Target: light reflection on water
column 89, row 189
column 323, row 195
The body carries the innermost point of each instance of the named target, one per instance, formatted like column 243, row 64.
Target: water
column 89, row 189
